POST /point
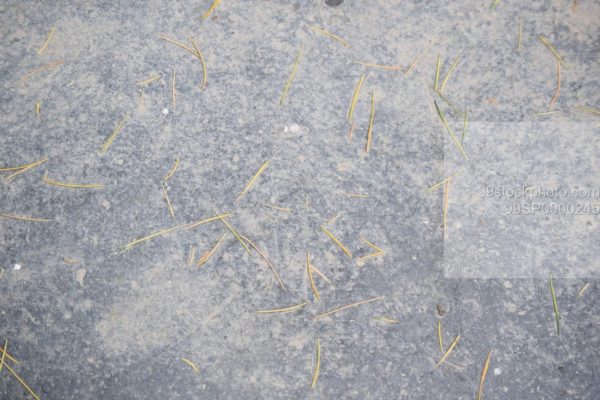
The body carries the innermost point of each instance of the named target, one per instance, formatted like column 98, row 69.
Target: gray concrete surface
column 107, row 324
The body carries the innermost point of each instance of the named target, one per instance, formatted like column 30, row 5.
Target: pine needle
column 378, row 251
column 316, row 271
column 40, row 69
column 348, row 306
column 310, row 277
column 380, row 66
column 179, row 44
column 386, row 319
column 454, row 139
column 113, row 135
column 278, row 208
column 206, row 220
column 206, row 256
column 149, row 80
column 192, row 255
column 22, row 382
column 494, row 4
column 24, row 218
column 541, row 114
column 38, row 108
column 332, row 219
column 357, row 195
column 8, row 356
column 583, row 289
column 141, row 101
column 464, row 131
column 450, row 104
column 20, row 167
column 438, row 66
column 317, row 365
column 555, row 306
column 486, row 366
column 210, row 10
column 234, row 232
column 370, row 130
column 166, row 196
column 448, row 351
column 329, row 34
column 452, row 68
column 557, row 91
column 72, row 185
column 351, row 129
column 588, row 109
column 201, row 58
column 440, row 337
column 191, row 364
column 172, row 170
column 47, row 41
column 292, row 76
column 266, row 259
column 3, row 352
column 552, row 49
column 520, row 35
column 283, row 310
column 254, row 178
column 341, row 246
column 355, row 97
column 411, row 67
column 173, row 93
column 432, row 188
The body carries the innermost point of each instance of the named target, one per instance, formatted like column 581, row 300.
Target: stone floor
column 90, row 318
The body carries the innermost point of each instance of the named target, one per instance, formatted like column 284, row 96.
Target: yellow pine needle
column 332, row 219
column 113, row 135
column 540, row 114
column 557, row 91
column 20, row 167
column 555, row 306
column 494, row 4
column 40, row 69
column 588, row 109
column 583, row 289
column 448, row 351
column 357, row 195
column 378, row 251
column 355, row 96
column 283, row 310
column 574, row 6
column 254, row 178
column 315, row 270
column 166, row 196
column 72, row 185
column 210, row 10
column 179, row 44
column 351, row 129
column 151, row 79
column 465, row 123
column 141, row 101
column 266, row 259
column 3, row 352
column 348, row 306
column 410, row 68
column 486, row 366
column 317, row 365
column 192, row 255
column 438, row 66
column 520, row 35
column 341, row 246
column 310, row 277
column 206, row 256
column 24, row 218
column 172, row 170
column 278, row 208
column 386, row 319
column 437, row 185
column 370, row 130
column 449, row 73
column 445, row 211
column 38, row 108
column 237, row 236
column 191, row 364
column 440, row 337
column 380, row 66
column 202, row 62
column 447, row 101
column 173, row 94
column 47, row 42
column 329, row 34
column 552, row 49
column 69, row 260
column 22, row 382
column 292, row 75
column 9, row 357
column 445, row 123
column 129, row 245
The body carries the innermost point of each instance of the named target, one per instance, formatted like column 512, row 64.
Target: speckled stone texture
column 88, row 321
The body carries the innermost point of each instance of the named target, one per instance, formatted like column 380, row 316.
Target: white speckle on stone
column 106, row 204
column 497, row 371
column 80, row 275
column 17, row 267
column 165, row 111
